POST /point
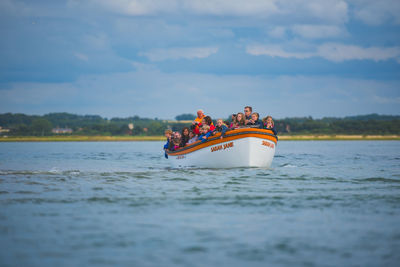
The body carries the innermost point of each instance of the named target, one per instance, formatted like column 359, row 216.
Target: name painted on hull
column 222, row 147
column 268, row 144
column 180, row 157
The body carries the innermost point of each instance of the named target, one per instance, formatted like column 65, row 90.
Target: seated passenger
column 168, row 135
column 240, row 122
column 254, row 121
column 268, row 123
column 205, row 133
column 200, row 116
column 208, row 121
column 193, row 137
column 221, row 128
column 177, row 143
column 196, row 124
column 176, row 135
column 233, row 117
column 247, row 113
column 185, row 136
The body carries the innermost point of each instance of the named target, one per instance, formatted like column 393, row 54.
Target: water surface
column 323, row 203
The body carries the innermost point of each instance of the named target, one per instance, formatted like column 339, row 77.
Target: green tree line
column 34, row 125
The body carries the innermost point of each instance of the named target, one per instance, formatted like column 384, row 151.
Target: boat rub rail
column 229, row 136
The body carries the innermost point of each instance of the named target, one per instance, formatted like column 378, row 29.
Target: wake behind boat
column 244, row 147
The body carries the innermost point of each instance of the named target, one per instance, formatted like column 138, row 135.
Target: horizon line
column 157, row 118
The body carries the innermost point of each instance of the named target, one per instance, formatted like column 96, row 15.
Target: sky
column 162, row 58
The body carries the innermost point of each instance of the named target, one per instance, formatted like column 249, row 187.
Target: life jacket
column 198, row 120
column 197, row 126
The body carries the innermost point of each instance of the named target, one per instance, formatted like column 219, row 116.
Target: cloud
column 339, row 52
column 308, row 31
column 104, row 37
column 374, row 12
column 35, row 9
column 330, row 51
column 328, row 10
column 203, row 7
column 21, row 94
column 278, row 32
column 317, row 31
column 12, row 7
column 275, row 51
column 179, row 53
column 96, row 41
column 386, row 100
column 232, row 7
column 81, row 56
column 314, row 11
column 137, row 7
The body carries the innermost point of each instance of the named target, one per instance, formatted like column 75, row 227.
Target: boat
column 243, row 147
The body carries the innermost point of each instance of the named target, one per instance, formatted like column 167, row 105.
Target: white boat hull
column 241, row 150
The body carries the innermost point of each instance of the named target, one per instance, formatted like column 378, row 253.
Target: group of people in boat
column 203, row 127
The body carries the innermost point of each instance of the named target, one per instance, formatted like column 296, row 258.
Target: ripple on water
column 195, row 249
column 232, row 183
column 142, row 175
column 287, row 165
column 177, row 179
column 26, row 192
column 97, row 188
column 379, row 179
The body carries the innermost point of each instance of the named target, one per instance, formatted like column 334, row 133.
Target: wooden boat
column 244, row 147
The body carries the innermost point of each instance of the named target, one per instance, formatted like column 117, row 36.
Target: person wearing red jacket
column 208, row 121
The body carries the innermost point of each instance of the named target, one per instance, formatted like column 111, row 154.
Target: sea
column 322, row 203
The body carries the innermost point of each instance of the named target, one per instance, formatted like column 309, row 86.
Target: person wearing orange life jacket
column 196, row 124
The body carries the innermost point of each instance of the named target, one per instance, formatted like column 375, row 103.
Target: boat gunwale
column 229, row 135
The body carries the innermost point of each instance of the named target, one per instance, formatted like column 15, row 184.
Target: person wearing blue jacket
column 221, row 127
column 204, row 133
column 168, row 135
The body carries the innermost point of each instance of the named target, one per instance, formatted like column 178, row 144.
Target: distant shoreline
column 337, row 137
column 162, row 138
